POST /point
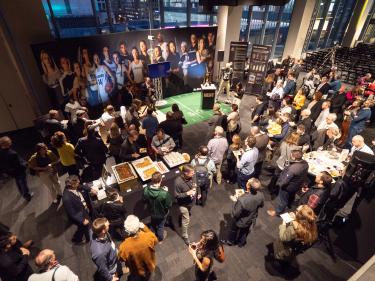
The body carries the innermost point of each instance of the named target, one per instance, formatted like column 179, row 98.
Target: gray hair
column 219, row 130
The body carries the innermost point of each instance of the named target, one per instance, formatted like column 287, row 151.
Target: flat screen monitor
column 158, row 70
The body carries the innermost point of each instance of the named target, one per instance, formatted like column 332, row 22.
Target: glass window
column 76, row 18
column 199, row 17
column 175, row 13
column 368, row 32
column 267, row 25
column 328, row 23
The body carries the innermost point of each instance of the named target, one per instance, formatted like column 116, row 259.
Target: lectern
column 208, row 96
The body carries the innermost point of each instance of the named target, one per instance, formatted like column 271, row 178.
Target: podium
column 208, row 96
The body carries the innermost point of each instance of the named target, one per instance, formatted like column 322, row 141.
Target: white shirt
column 63, row 273
column 324, row 126
column 322, row 117
column 72, row 108
column 107, row 119
column 365, row 148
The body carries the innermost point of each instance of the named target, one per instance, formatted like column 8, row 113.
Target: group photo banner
column 96, row 68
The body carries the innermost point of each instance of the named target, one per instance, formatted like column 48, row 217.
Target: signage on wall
column 260, row 55
column 237, row 55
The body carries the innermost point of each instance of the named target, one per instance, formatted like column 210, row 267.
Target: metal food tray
column 140, row 171
column 162, row 168
column 170, row 165
column 117, row 175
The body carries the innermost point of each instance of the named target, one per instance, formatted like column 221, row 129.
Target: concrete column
column 357, row 22
column 229, row 23
column 299, row 25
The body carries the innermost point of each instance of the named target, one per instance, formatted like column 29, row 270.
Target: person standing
column 217, row 147
column 316, row 196
column 323, row 114
column 262, row 140
column 359, row 119
column 232, row 159
column 66, row 153
column 289, row 182
column 104, row 252
column 204, row 252
column 138, row 250
column 185, row 192
column 150, row 123
column 245, row 213
column 246, row 164
column 172, row 127
column 234, row 123
column 204, row 171
column 50, row 268
column 294, row 237
column 77, row 206
column 43, row 162
column 13, row 165
column 93, row 150
column 159, row 203
column 215, row 120
column 14, row 264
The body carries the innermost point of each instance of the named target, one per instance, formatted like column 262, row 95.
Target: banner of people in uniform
column 94, row 70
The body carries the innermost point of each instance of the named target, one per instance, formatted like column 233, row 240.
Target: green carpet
column 190, row 105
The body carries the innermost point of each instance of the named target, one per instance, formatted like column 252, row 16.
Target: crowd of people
column 290, row 119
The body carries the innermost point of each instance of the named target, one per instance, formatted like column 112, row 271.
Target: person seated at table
column 316, row 195
column 331, row 137
column 304, row 137
column 162, row 143
column 114, row 210
column 358, row 144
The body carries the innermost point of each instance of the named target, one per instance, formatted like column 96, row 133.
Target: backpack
column 201, row 172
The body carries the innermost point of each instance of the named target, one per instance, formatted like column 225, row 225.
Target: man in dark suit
column 305, row 120
column 77, row 205
column 52, row 124
column 13, row 165
column 172, row 127
column 323, row 87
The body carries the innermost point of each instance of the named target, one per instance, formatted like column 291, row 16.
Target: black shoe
column 227, row 242
column 186, row 241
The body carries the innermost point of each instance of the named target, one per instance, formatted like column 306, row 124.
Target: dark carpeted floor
column 49, row 228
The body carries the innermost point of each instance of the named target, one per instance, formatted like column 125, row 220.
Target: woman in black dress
column 204, row 252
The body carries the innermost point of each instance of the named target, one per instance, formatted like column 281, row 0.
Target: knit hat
column 132, row 224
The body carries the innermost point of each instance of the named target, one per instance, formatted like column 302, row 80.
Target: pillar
column 298, row 28
column 229, row 24
column 357, row 22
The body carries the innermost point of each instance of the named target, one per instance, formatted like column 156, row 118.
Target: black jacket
column 127, row 149
column 93, row 149
column 51, row 126
column 11, row 163
column 324, row 89
column 293, row 176
column 315, row 110
column 74, row 207
column 337, row 103
column 307, row 122
column 245, row 210
column 14, row 265
column 172, row 128
column 114, row 212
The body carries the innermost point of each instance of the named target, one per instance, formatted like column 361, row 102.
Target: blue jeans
column 22, row 186
column 282, row 200
column 157, row 226
column 242, row 179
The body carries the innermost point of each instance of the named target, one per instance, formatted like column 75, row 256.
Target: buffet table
column 133, row 176
column 324, row 160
